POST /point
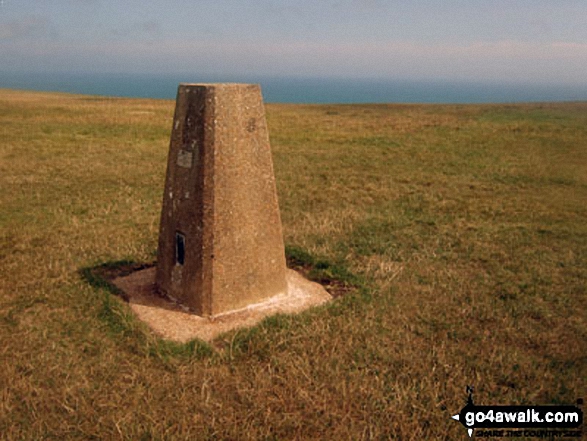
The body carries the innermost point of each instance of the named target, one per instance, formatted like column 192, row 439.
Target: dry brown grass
column 467, row 223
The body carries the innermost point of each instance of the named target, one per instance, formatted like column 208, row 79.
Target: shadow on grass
column 101, row 276
column 121, row 322
column 336, row 279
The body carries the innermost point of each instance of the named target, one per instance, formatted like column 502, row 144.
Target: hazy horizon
column 300, row 90
column 527, row 41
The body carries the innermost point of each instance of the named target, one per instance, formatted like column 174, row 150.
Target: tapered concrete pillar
column 220, row 242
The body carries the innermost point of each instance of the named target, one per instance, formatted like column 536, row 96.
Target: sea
column 301, row 90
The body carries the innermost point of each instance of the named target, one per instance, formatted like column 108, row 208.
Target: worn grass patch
column 463, row 227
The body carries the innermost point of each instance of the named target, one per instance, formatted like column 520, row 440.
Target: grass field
column 467, row 226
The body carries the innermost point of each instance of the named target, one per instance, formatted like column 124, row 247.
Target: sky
column 530, row 41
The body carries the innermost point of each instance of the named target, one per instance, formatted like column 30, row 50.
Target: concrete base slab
column 173, row 322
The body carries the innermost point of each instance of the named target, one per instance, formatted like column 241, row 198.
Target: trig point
column 221, row 260
column 220, row 242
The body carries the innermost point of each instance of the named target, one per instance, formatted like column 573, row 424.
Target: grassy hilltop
column 467, row 226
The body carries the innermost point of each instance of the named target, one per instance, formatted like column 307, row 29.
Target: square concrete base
column 173, row 322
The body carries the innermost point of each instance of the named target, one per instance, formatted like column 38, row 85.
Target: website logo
column 513, row 418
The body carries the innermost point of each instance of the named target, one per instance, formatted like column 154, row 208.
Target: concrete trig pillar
column 220, row 242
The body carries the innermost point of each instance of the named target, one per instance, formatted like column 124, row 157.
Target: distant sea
column 300, row 90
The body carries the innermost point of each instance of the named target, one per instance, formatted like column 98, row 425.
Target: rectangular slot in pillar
column 179, row 248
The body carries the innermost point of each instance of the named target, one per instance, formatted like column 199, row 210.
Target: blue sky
column 494, row 40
